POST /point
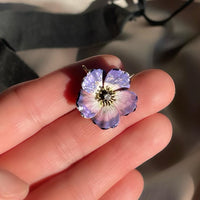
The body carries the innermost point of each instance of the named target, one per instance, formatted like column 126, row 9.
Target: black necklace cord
column 141, row 12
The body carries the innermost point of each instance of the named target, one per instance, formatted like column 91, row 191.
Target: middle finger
column 72, row 137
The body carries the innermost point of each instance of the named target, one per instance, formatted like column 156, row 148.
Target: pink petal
column 87, row 104
column 125, row 101
column 107, row 117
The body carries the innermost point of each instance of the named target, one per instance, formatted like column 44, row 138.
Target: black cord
column 141, row 6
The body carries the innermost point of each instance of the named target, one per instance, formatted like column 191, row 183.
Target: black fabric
column 37, row 29
column 12, row 69
column 26, row 27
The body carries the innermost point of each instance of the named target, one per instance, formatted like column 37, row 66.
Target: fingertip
column 12, row 187
column 166, row 128
column 167, row 83
column 158, row 85
column 137, row 180
column 152, row 135
column 161, row 131
column 105, row 62
column 129, row 187
column 113, row 61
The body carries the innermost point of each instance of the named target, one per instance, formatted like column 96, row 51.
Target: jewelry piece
column 104, row 98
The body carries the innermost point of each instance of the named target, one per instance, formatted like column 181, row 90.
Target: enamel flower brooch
column 104, row 98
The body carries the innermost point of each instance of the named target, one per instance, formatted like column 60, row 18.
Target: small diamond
column 107, row 97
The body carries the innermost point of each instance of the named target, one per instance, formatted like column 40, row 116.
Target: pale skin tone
column 58, row 154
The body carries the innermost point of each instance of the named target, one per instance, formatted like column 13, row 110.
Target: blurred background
column 174, row 47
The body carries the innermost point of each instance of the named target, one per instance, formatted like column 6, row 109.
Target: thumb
column 11, row 187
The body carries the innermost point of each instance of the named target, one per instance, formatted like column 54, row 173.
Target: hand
column 62, row 156
column 11, row 187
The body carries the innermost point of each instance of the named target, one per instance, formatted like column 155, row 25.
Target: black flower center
column 105, row 96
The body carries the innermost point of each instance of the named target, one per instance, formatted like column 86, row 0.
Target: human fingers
column 91, row 177
column 128, row 188
column 72, row 137
column 26, row 108
column 11, row 187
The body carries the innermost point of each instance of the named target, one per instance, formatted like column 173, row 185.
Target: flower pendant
column 104, row 98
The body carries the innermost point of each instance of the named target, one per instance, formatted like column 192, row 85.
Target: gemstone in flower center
column 105, row 96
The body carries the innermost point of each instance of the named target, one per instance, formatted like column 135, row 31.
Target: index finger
column 28, row 107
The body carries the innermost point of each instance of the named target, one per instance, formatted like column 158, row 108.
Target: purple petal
column 93, row 80
column 117, row 79
column 125, row 101
column 107, row 117
column 87, row 104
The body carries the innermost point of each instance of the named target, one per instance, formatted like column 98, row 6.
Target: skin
column 56, row 152
column 12, row 187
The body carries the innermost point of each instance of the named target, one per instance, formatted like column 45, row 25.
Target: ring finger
column 92, row 176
